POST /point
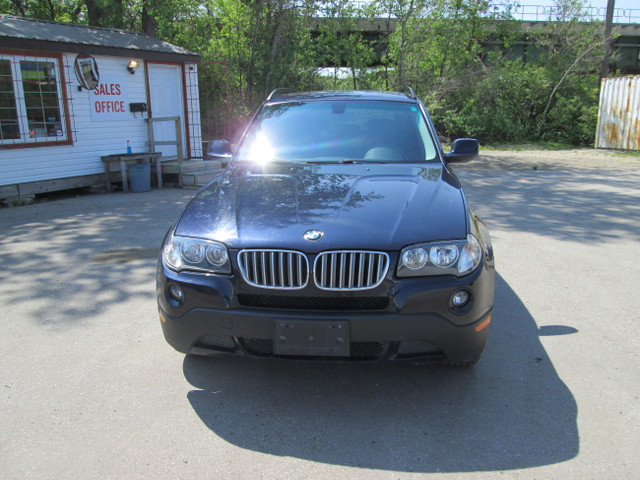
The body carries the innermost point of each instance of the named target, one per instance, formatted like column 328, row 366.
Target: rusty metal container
column 619, row 114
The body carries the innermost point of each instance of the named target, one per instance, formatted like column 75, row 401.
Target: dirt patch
column 585, row 158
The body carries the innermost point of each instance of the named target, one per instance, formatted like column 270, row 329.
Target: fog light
column 176, row 293
column 460, row 298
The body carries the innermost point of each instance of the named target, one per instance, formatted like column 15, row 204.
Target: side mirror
column 218, row 149
column 463, row 150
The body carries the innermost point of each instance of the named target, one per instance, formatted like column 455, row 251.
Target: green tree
column 339, row 44
column 572, row 50
column 461, row 57
column 57, row 10
column 479, row 72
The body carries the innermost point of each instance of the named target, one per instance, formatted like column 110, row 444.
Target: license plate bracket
column 315, row 338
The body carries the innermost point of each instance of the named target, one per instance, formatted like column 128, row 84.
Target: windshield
column 338, row 131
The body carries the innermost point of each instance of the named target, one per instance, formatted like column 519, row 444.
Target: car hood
column 355, row 206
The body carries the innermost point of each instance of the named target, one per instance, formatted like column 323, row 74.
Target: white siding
column 91, row 139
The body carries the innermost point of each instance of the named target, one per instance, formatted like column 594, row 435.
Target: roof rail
column 408, row 91
column 279, row 91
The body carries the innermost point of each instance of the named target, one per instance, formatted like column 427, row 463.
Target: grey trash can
column 139, row 177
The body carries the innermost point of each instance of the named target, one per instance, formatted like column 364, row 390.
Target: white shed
column 71, row 94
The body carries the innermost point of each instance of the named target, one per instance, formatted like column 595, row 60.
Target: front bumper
column 415, row 321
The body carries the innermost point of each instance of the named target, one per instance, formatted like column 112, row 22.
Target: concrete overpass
column 626, row 46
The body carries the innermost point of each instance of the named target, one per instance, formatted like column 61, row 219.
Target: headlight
column 415, row 258
column 457, row 257
column 193, row 252
column 182, row 253
column 443, row 255
column 217, row 255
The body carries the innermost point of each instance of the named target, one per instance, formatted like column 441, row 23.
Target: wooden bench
column 123, row 159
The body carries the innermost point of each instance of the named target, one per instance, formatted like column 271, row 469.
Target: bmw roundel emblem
column 313, row 235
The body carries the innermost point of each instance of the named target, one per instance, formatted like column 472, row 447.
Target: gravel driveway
column 584, row 158
column 90, row 389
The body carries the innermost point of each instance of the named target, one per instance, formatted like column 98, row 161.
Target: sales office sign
column 109, row 100
column 107, row 95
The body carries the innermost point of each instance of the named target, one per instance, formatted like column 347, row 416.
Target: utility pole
column 608, row 24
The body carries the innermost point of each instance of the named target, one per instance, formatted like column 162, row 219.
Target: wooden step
column 199, row 178
column 171, row 166
column 195, row 173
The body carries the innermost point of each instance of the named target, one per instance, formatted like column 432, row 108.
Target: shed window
column 31, row 108
column 9, row 127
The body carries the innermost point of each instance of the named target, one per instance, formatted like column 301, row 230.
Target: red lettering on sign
column 110, row 89
column 101, row 107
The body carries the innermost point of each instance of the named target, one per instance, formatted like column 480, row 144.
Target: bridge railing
column 545, row 13
column 542, row 13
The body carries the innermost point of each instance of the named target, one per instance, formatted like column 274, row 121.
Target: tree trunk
column 149, row 21
column 254, row 46
column 51, row 9
column 604, row 67
column 20, row 6
column 94, row 13
column 275, row 41
column 109, row 14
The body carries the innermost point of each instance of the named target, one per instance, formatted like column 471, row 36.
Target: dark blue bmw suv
column 338, row 232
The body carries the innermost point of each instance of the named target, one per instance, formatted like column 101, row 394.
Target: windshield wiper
column 346, row 161
column 349, row 161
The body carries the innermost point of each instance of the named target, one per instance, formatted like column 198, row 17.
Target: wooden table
column 123, row 159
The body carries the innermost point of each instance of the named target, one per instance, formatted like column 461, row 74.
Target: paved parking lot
column 91, row 390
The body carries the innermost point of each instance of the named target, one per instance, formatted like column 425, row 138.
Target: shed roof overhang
column 17, row 33
column 63, row 47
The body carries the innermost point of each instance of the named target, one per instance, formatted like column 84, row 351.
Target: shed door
column 166, row 100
